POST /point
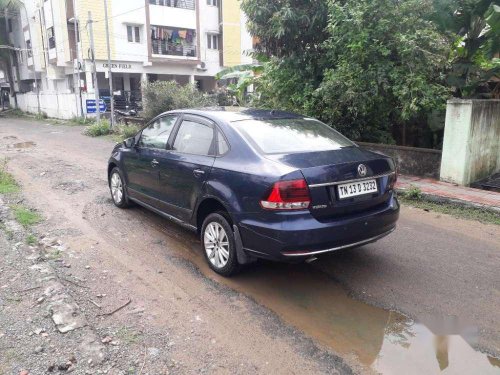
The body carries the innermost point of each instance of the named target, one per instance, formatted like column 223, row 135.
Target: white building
column 188, row 41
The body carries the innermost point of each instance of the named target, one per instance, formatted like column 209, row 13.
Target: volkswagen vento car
column 256, row 184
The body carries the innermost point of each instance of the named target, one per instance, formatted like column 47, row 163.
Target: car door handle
column 154, row 163
column 198, row 173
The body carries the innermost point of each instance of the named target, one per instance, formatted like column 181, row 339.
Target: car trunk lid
column 325, row 170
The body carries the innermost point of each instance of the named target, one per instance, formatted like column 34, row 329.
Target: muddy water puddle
column 386, row 341
column 21, row 145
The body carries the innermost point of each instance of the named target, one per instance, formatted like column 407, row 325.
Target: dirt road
column 423, row 299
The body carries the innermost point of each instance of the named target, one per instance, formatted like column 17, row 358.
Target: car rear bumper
column 299, row 235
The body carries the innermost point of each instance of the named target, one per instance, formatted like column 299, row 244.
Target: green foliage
column 287, row 27
column 124, row 131
column 97, row 129
column 473, row 27
column 7, row 182
column 25, row 216
column 376, row 65
column 413, row 193
column 162, row 96
column 31, row 240
column 41, row 116
column 82, row 120
column 241, row 78
column 15, row 112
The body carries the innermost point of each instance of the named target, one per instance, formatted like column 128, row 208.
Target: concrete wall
column 61, row 106
column 471, row 145
column 413, row 161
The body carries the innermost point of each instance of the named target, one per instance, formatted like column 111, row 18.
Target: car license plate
column 357, row 188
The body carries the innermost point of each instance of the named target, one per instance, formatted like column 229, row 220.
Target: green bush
column 41, row 116
column 413, row 193
column 161, row 96
column 98, row 128
column 126, row 131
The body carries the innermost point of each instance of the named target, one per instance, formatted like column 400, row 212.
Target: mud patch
column 71, row 187
column 313, row 302
column 21, row 145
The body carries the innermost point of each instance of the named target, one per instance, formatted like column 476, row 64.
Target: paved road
column 423, row 299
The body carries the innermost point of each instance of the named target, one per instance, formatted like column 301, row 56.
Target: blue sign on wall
column 91, row 106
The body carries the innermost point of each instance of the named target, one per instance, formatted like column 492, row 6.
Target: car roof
column 231, row 114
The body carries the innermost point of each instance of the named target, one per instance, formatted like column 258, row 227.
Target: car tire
column 118, row 189
column 218, row 244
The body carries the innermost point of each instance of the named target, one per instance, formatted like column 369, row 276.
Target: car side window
column 156, row 134
column 222, row 144
column 194, row 138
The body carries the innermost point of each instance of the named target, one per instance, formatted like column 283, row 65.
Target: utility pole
column 76, row 79
column 94, row 69
column 111, row 100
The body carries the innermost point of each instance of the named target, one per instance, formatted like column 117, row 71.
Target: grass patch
column 15, row 112
column 82, row 121
column 25, row 216
column 98, row 129
column 41, row 116
column 7, row 182
column 54, row 254
column 31, row 240
column 455, row 210
column 118, row 134
column 127, row 131
column 127, row 335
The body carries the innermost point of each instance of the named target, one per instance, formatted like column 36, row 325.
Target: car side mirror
column 129, row 142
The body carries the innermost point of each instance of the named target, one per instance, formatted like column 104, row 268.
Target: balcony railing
column 183, row 4
column 172, row 41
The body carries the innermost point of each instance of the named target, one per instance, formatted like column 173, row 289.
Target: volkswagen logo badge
column 362, row 170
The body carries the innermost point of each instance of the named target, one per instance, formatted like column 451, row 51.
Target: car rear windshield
column 279, row 136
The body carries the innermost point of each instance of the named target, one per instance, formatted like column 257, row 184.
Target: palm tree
column 244, row 76
column 475, row 54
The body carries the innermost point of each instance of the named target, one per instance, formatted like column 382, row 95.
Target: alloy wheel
column 116, row 188
column 216, row 244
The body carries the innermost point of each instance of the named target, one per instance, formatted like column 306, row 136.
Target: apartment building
column 188, row 41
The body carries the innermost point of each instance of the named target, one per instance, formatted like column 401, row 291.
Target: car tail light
column 392, row 180
column 288, row 195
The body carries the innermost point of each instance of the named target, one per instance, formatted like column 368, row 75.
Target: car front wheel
column 217, row 240
column 117, row 189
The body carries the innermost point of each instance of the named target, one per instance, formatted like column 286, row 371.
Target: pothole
column 28, row 144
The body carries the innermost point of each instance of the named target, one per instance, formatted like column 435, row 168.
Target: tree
column 374, row 68
column 287, row 27
column 245, row 75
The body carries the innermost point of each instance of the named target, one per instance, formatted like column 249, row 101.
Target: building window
column 212, row 41
column 9, row 22
column 28, row 47
column 133, row 34
column 51, row 37
column 214, row 3
column 20, row 56
column 184, row 4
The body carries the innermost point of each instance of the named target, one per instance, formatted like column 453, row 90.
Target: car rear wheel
column 117, row 188
column 217, row 240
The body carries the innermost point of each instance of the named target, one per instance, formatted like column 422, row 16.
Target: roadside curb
column 454, row 201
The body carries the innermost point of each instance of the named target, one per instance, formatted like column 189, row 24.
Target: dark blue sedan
column 256, row 184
